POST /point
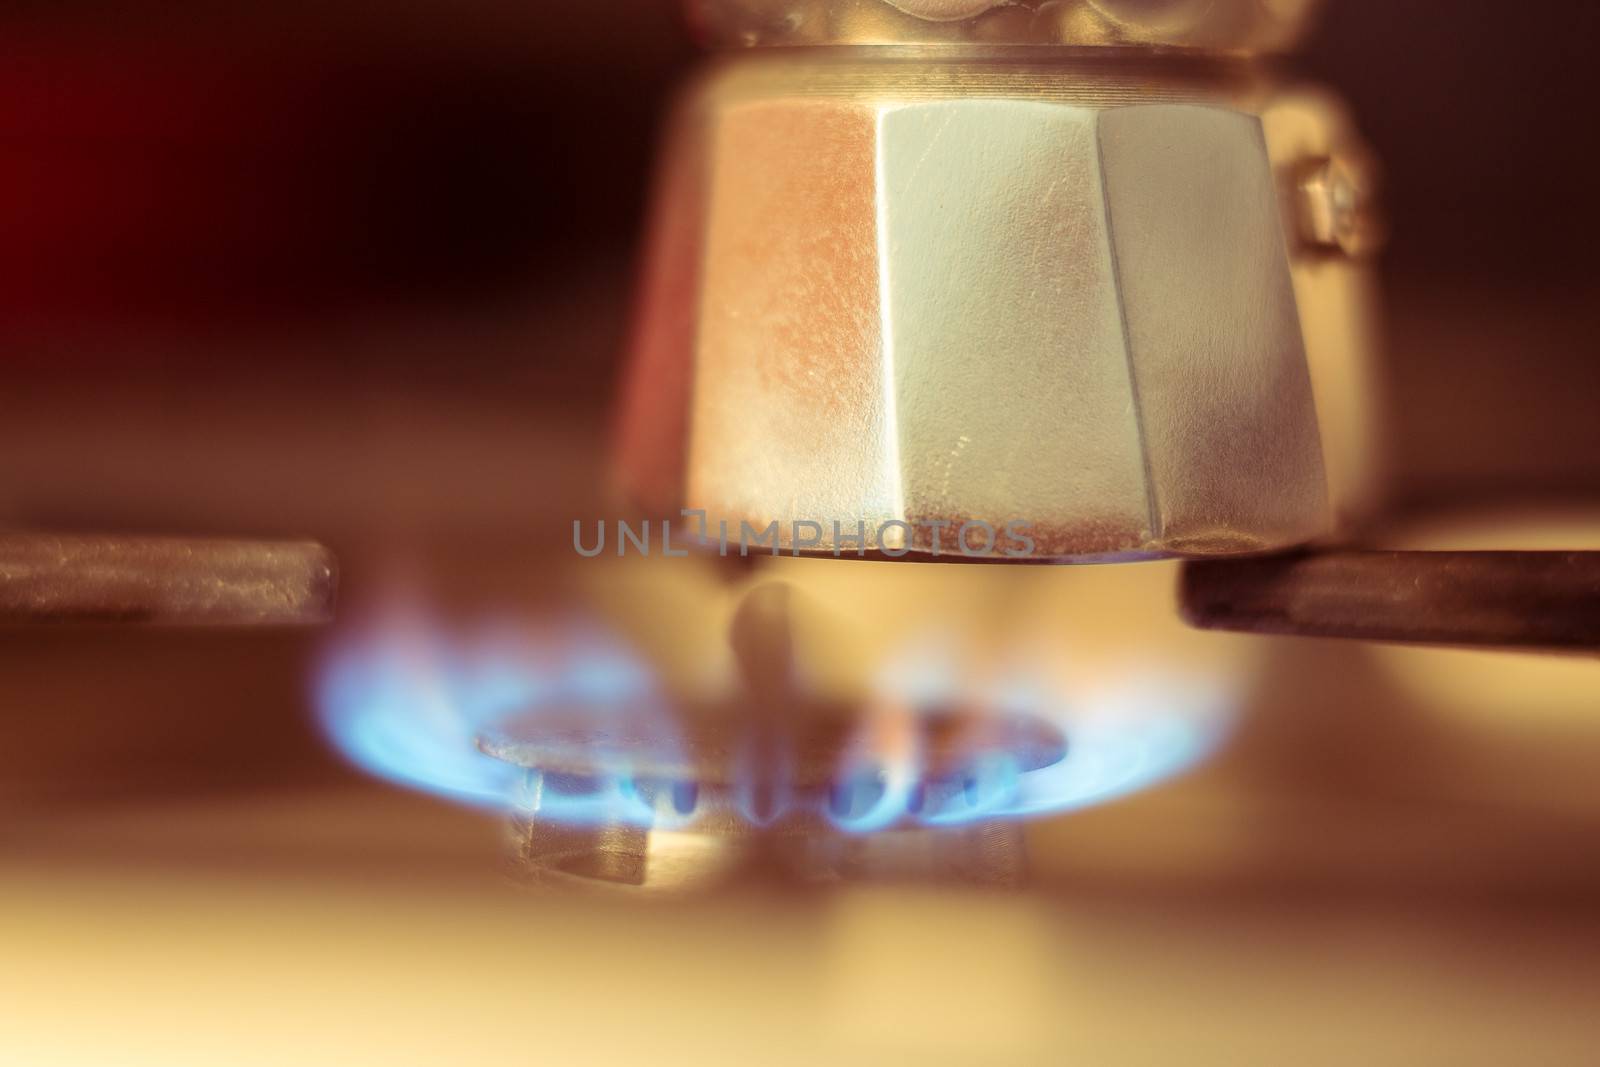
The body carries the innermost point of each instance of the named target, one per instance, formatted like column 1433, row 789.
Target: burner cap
column 711, row 748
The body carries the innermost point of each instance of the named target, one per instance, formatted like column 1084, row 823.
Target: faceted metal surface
column 1212, row 25
column 1309, row 131
column 937, row 293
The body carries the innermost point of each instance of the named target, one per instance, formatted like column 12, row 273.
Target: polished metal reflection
column 930, row 290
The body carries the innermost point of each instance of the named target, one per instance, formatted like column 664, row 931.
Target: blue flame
column 410, row 703
column 988, row 790
column 1126, row 737
column 761, row 793
column 1121, row 737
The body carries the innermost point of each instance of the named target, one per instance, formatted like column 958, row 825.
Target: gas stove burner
column 628, row 859
column 921, row 764
column 718, row 751
column 806, row 800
